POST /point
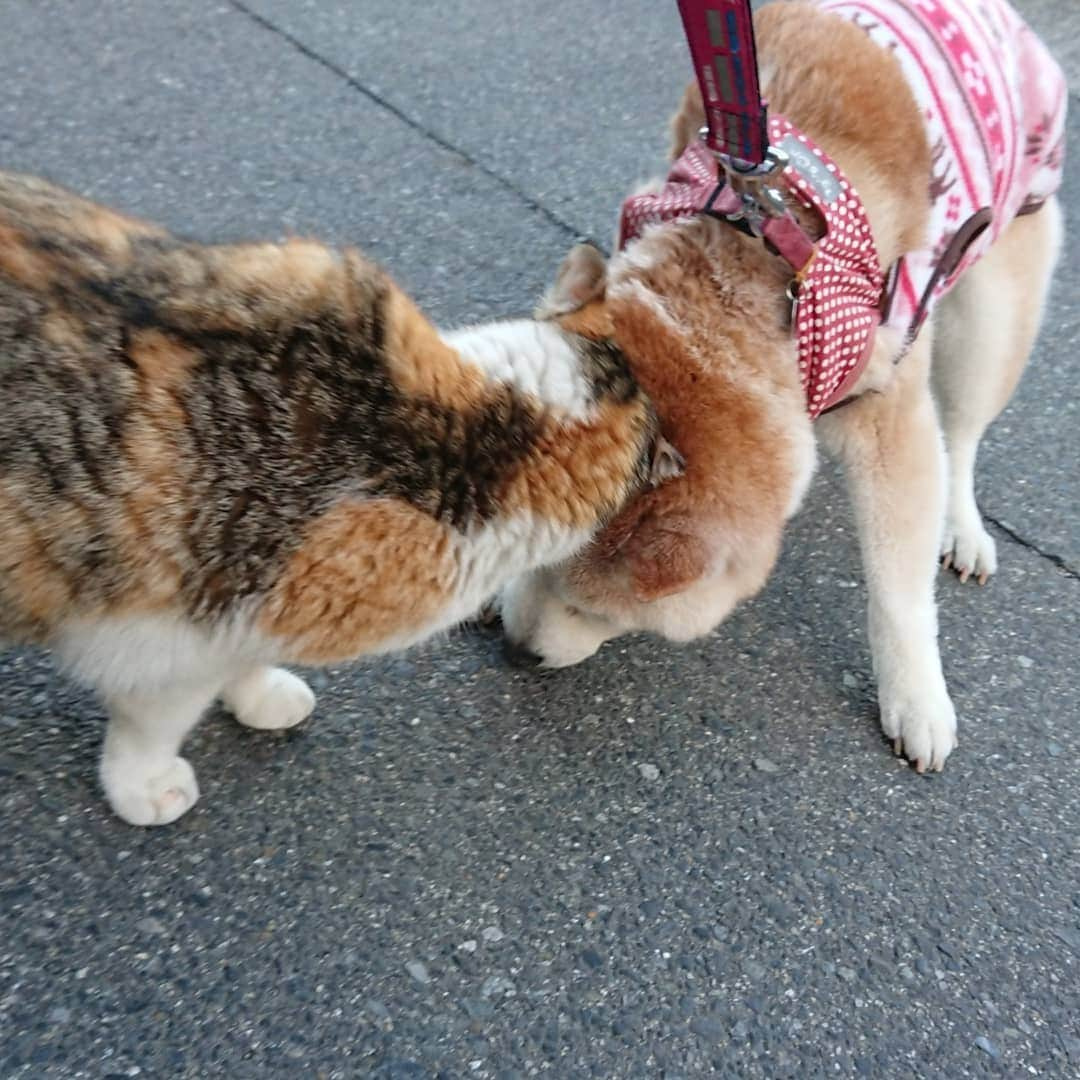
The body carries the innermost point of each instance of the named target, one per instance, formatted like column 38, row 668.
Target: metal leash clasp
column 755, row 185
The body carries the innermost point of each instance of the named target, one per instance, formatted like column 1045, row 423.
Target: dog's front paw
column 969, row 549
column 922, row 726
column 270, row 699
column 151, row 800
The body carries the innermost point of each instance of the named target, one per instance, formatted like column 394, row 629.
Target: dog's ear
column 663, row 560
column 581, row 279
column 667, row 463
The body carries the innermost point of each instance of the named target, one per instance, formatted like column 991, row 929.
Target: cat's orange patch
column 422, row 364
column 149, row 522
column 63, row 330
column 163, row 362
column 23, row 265
column 367, row 574
column 571, row 479
column 149, row 525
column 34, row 584
column 299, row 274
column 249, row 286
column 112, row 232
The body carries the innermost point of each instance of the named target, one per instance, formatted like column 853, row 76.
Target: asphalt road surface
column 669, row 862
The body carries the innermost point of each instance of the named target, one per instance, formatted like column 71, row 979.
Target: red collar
column 838, row 283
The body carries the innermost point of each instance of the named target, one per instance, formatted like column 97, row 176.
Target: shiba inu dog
column 217, row 459
column 947, row 118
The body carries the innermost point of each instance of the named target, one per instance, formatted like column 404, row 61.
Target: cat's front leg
column 145, row 779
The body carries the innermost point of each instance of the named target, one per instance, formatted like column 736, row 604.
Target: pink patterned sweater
column 993, row 100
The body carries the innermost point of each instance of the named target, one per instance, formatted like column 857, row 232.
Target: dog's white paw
column 922, row 727
column 152, row 800
column 969, row 549
column 270, row 699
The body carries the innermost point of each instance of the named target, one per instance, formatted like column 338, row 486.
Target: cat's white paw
column 270, row 699
column 921, row 725
column 969, row 549
column 152, row 800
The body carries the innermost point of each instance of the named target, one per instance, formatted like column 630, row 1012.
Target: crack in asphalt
column 1057, row 560
column 395, row 110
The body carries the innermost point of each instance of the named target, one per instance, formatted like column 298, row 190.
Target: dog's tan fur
column 700, row 310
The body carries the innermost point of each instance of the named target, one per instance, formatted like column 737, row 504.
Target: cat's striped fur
column 217, row 458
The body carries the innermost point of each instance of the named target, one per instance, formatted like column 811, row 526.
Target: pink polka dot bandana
column 839, row 299
column 691, row 183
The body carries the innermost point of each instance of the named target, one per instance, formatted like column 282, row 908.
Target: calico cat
column 214, row 459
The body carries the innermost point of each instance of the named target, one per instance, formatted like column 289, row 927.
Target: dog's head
column 704, row 345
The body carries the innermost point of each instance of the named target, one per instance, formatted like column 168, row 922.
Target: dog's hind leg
column 984, row 331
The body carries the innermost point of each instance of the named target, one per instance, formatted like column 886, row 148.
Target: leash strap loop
column 721, row 38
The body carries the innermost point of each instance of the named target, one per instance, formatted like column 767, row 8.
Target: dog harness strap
column 720, row 34
column 784, row 234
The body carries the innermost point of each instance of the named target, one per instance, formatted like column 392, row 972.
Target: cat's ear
column 581, row 279
column 666, row 464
